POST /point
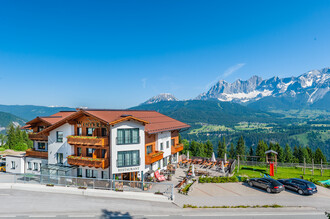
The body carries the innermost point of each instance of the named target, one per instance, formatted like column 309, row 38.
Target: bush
column 217, row 179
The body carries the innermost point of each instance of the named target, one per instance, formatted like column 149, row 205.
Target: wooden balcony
column 34, row 153
column 38, row 137
column 88, row 162
column 153, row 157
column 176, row 148
column 88, row 141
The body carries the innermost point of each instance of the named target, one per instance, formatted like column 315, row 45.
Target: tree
column 193, row 148
column 295, row 154
column 222, row 148
column 280, row 154
column 310, row 153
column 17, row 139
column 208, row 149
column 232, row 152
column 200, row 150
column 185, row 143
column 251, row 153
column 240, row 148
column 260, row 151
column 319, row 156
column 288, row 157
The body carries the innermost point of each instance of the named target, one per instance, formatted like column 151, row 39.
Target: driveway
column 219, row 194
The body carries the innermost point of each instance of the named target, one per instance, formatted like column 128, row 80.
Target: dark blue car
column 303, row 187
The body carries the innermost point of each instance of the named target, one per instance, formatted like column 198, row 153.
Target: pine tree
column 288, row 157
column 280, row 153
column 310, row 153
column 319, row 156
column 193, row 148
column 260, row 151
column 208, row 149
column 186, row 146
column 200, row 150
column 232, row 152
column 222, row 148
column 295, row 154
column 240, row 148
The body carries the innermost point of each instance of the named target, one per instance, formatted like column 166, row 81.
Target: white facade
column 15, row 164
column 33, row 164
column 115, row 148
column 55, row 147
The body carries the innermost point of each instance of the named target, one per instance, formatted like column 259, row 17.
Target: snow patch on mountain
column 161, row 97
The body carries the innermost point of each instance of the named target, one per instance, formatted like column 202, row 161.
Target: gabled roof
column 154, row 122
column 51, row 119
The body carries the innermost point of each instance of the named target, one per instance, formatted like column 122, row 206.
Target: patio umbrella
column 188, row 155
column 222, row 167
column 213, row 157
column 193, row 171
column 225, row 157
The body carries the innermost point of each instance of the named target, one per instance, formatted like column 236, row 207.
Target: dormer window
column 40, row 128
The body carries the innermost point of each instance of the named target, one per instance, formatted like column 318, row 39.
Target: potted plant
column 50, row 185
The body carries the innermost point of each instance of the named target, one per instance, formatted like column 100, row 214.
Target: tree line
column 15, row 139
column 285, row 155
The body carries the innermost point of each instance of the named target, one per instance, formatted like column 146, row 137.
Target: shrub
column 217, row 179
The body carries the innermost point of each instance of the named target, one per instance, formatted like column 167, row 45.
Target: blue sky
column 117, row 54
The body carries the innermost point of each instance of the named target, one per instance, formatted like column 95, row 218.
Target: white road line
column 81, row 215
column 4, row 194
column 42, row 216
column 6, row 216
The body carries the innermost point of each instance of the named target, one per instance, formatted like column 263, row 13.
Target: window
column 59, row 158
column 91, row 173
column 164, row 161
column 79, row 172
column 29, row 166
column 89, row 131
column 128, row 158
column 103, row 174
column 79, row 131
column 128, row 136
column 104, row 132
column 173, row 142
column 161, row 146
column 35, row 166
column 89, row 152
column 149, row 150
column 78, row 151
column 103, row 153
column 40, row 128
column 159, row 166
column 167, row 144
column 59, row 136
column 13, row 164
column 41, row 145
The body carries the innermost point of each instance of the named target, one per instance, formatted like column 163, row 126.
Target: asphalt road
column 23, row 204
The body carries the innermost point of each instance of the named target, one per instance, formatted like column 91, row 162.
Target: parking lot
column 220, row 194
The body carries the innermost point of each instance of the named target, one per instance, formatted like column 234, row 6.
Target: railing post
column 321, row 168
column 237, row 163
column 304, row 166
column 172, row 192
column 313, row 167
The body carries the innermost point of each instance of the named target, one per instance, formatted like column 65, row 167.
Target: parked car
column 269, row 184
column 303, row 187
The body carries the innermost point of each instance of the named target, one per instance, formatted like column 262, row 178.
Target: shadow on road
column 114, row 214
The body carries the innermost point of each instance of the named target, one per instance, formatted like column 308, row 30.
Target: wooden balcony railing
column 38, row 137
column 88, row 140
column 176, row 148
column 88, row 161
column 153, row 157
column 34, row 153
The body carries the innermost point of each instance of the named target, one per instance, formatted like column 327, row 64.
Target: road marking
column 6, row 216
column 228, row 190
column 42, row 216
column 4, row 194
column 82, row 215
column 203, row 192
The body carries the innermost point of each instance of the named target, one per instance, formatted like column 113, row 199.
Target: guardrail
column 279, row 164
column 166, row 189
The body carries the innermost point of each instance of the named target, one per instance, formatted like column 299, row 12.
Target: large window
column 89, row 131
column 89, row 152
column 59, row 158
column 103, row 153
column 59, row 136
column 41, row 145
column 79, row 131
column 128, row 136
column 128, row 158
column 35, row 166
column 91, row 173
column 79, row 172
column 29, row 166
column 149, row 150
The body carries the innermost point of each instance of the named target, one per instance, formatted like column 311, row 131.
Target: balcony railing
column 176, row 148
column 35, row 153
column 88, row 140
column 38, row 137
column 88, row 161
column 153, row 157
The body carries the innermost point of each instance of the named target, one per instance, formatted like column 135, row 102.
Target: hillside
column 29, row 112
column 7, row 118
column 209, row 111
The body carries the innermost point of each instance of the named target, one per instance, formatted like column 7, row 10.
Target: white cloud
column 229, row 71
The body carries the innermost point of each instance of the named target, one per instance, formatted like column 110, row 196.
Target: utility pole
column 304, row 166
column 237, row 163
column 313, row 167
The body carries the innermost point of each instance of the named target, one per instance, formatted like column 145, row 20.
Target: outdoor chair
column 159, row 177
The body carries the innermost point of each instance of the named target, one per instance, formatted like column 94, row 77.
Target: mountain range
column 309, row 90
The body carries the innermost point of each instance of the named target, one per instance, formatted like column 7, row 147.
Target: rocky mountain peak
column 161, row 97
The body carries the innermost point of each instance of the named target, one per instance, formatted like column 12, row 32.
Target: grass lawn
column 283, row 172
column 2, row 148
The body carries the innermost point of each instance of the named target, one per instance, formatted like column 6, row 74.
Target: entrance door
column 132, row 176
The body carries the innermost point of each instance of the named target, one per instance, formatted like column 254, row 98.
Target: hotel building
column 106, row 144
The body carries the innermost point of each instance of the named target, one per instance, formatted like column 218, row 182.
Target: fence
column 166, row 189
column 307, row 165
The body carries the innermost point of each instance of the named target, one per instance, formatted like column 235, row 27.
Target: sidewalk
column 88, row 192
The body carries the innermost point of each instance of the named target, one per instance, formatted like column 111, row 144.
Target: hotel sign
column 128, row 169
column 90, row 123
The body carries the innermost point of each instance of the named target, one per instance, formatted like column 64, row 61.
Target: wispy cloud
column 229, row 71
column 144, row 82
